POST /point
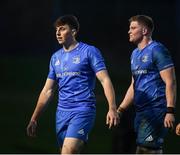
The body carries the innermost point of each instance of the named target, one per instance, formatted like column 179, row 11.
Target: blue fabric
column 75, row 73
column 74, row 124
column 149, row 126
column 146, row 64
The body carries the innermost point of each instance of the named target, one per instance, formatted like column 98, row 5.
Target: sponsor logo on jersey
column 140, row 71
column 68, row 74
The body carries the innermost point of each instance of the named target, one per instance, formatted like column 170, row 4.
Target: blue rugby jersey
column 75, row 72
column 146, row 64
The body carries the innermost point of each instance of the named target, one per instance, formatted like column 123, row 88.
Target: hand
column 31, row 129
column 112, row 118
column 120, row 113
column 178, row 129
column 169, row 120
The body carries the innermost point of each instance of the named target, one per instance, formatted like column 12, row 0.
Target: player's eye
column 60, row 29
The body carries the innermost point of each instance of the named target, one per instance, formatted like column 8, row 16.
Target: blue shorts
column 149, row 126
column 75, row 124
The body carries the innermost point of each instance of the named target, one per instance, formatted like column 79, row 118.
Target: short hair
column 143, row 19
column 70, row 20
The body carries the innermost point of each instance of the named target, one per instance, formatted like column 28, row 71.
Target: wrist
column 112, row 107
column 33, row 121
column 120, row 110
column 170, row 110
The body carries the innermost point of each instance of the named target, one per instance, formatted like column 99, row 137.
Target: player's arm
column 43, row 100
column 168, row 76
column 128, row 99
column 112, row 115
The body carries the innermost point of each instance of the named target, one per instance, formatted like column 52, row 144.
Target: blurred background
column 27, row 43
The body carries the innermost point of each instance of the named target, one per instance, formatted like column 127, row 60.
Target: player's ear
column 145, row 30
column 74, row 32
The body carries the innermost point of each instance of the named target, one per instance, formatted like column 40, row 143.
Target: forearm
column 109, row 93
column 128, row 99
column 43, row 100
column 171, row 99
column 171, row 94
column 169, row 78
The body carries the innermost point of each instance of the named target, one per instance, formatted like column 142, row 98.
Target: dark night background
column 27, row 42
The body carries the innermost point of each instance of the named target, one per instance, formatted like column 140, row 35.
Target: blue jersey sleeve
column 162, row 58
column 52, row 74
column 96, row 60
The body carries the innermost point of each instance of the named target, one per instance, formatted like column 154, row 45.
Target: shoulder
column 160, row 51
column 157, row 46
column 88, row 46
column 89, row 49
column 161, row 56
column 56, row 53
column 134, row 52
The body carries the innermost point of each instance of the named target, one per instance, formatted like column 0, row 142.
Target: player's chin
column 131, row 40
column 60, row 42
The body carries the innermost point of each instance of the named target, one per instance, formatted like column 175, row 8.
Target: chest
column 142, row 60
column 69, row 62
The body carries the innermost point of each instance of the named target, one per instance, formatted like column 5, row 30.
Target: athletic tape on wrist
column 170, row 110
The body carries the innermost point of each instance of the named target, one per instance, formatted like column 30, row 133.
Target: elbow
column 48, row 93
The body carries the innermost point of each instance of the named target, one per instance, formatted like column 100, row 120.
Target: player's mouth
column 130, row 36
column 59, row 39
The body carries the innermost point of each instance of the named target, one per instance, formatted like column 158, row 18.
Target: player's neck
column 70, row 46
column 144, row 43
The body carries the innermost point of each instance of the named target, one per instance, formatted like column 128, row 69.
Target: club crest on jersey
column 76, row 59
column 145, row 58
column 57, row 63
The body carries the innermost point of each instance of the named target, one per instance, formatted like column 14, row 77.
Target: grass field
column 21, row 81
